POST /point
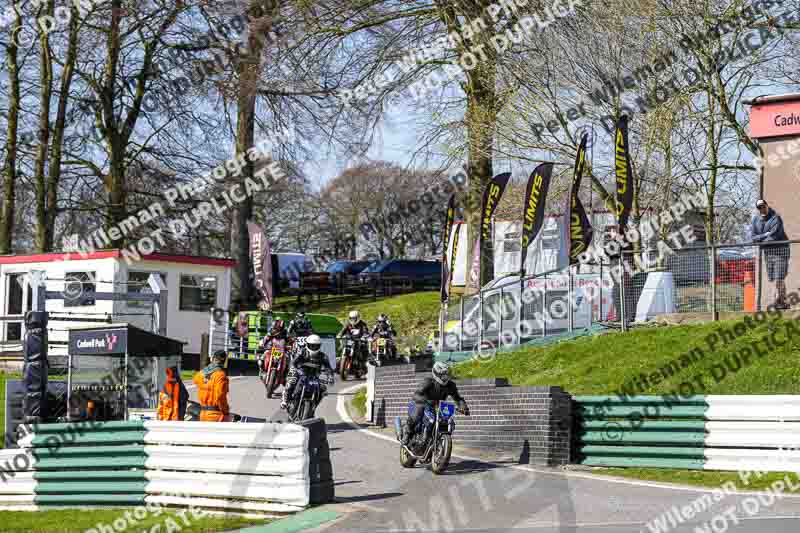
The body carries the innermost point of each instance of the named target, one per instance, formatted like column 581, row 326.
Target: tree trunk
column 248, row 70
column 56, row 148
column 481, row 117
column 115, row 179
column 45, row 94
column 10, row 164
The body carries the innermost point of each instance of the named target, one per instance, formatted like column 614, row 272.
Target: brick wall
column 531, row 422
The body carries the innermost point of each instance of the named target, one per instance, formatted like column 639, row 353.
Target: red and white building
column 195, row 285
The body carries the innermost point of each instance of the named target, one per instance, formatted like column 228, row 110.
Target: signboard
column 101, row 342
column 775, row 120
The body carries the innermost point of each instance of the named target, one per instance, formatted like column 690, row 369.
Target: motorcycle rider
column 276, row 332
column 433, row 389
column 355, row 323
column 309, row 363
column 300, row 326
column 384, row 327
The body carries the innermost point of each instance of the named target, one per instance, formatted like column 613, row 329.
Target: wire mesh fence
column 631, row 289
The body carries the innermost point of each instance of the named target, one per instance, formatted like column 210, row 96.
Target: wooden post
column 204, row 355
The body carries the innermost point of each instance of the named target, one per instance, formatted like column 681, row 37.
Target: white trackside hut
column 194, row 284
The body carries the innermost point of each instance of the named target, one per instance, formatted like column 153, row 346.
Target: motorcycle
column 298, row 347
column 382, row 347
column 432, row 442
column 352, row 357
column 275, row 372
column 306, row 396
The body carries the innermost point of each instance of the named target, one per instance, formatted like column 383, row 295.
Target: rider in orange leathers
column 212, row 390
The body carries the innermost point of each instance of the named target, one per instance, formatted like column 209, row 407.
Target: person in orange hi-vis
column 173, row 398
column 212, row 390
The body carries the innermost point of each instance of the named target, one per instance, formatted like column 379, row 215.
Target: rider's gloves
column 463, row 407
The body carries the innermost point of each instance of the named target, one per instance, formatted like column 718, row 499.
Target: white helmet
column 313, row 344
column 354, row 316
column 441, row 373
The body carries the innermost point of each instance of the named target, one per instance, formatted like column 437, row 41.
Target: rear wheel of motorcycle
column 271, row 383
column 406, row 459
column 441, row 454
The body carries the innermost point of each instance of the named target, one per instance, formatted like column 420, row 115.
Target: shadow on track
column 367, row 497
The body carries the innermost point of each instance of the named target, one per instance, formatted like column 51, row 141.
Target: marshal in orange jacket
column 212, row 391
column 173, row 397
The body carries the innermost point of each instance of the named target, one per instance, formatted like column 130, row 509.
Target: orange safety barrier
column 749, row 293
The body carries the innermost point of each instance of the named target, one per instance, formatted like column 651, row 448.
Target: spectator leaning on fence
column 768, row 226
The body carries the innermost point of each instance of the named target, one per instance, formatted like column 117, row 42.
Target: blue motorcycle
column 432, row 442
column 307, row 394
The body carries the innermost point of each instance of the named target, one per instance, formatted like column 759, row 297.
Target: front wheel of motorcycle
column 306, row 410
column 343, row 370
column 441, row 453
column 271, row 383
column 406, row 459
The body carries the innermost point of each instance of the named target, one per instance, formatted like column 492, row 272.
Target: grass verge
column 359, row 401
column 78, row 521
column 603, row 364
column 3, row 377
column 706, row 478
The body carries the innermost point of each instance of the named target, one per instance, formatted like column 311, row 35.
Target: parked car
column 419, row 275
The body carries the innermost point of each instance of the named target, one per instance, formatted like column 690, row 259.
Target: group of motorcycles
column 358, row 348
column 308, row 391
column 432, row 444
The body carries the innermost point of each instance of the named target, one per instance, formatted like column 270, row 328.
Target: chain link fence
column 700, row 282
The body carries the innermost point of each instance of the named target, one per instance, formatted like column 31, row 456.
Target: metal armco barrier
column 698, row 432
column 267, row 468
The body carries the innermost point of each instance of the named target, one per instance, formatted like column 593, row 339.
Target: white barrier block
column 753, row 413
column 747, row 434
column 16, row 460
column 271, row 488
column 291, row 463
column 16, row 500
column 223, row 504
column 752, row 399
column 20, row 483
column 752, row 459
column 268, row 435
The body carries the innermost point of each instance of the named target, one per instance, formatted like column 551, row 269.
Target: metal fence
column 634, row 288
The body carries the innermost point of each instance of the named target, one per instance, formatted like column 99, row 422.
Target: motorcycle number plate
column 356, row 332
column 277, row 353
column 381, row 342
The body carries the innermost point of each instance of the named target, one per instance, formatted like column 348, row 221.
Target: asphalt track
column 375, row 494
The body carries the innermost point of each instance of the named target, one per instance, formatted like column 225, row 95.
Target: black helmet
column 220, row 356
column 382, row 318
column 301, row 315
